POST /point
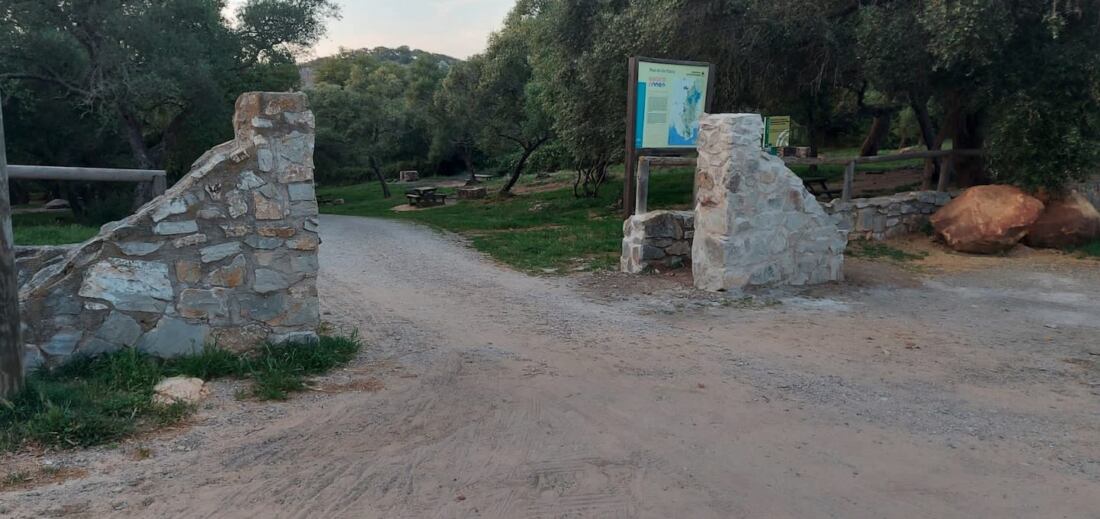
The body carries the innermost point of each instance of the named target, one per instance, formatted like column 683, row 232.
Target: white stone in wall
column 755, row 222
column 141, row 286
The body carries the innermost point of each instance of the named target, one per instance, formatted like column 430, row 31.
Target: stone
column 301, row 191
column 236, row 230
column 173, row 337
column 32, row 358
column 265, row 159
column 275, row 231
column 203, row 304
column 986, row 219
column 303, row 118
column 179, row 390
column 296, row 173
column 133, row 285
column 755, row 223
column 238, row 206
column 187, row 241
column 304, row 242
column 188, row 271
column 260, row 122
column 220, row 251
column 267, row 281
column 94, row 306
column 259, row 242
column 472, row 193
column 249, row 180
column 1065, row 222
column 267, row 209
column 56, row 204
column 118, row 330
column 172, row 207
column 63, row 343
column 169, row 228
column 139, row 248
column 307, row 208
column 211, row 213
column 231, row 275
column 295, row 338
column 312, row 225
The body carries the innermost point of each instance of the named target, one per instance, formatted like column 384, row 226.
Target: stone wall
column 228, row 255
column 755, row 222
column 657, row 239
column 885, row 217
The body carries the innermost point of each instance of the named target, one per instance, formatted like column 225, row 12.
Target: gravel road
column 956, row 392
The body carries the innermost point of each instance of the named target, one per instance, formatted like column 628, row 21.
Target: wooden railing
column 156, row 180
column 947, row 168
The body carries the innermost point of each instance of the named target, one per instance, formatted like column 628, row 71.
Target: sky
column 457, row 28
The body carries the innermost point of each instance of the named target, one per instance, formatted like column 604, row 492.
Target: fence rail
column 641, row 190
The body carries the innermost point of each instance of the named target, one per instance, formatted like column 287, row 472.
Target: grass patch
column 53, row 228
column 532, row 231
column 879, row 250
column 92, row 401
column 1089, row 250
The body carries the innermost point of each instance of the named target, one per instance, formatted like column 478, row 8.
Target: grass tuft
column 92, row 401
column 1089, row 250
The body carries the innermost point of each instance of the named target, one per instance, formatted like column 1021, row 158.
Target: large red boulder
column 986, row 219
column 1065, row 222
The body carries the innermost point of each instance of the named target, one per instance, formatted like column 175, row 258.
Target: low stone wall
column 885, row 217
column 657, row 239
column 228, row 255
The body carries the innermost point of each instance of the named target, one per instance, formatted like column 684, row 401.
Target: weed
column 1089, row 250
column 94, row 401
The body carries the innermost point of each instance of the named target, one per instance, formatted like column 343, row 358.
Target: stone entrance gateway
column 228, row 255
column 754, row 222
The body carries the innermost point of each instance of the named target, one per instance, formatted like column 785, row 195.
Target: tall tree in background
column 457, row 108
column 152, row 65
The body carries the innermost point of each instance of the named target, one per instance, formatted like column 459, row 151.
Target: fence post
column 849, row 177
column 11, row 347
column 947, row 168
column 641, row 192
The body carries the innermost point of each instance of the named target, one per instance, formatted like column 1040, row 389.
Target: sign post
column 11, row 348
column 665, row 99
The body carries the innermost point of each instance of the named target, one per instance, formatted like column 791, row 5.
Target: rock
column 238, row 206
column 172, row 207
column 268, row 281
column 231, row 275
column 308, row 242
column 219, row 252
column 295, row 338
column 267, row 209
column 56, row 204
column 203, row 304
column 63, row 343
column 301, row 191
column 168, row 228
column 139, row 248
column 188, row 271
column 986, row 219
column 140, row 286
column 1065, row 222
column 119, row 329
column 236, row 230
column 187, row 241
column 174, row 338
column 183, row 390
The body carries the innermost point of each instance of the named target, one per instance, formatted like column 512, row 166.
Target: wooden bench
column 425, row 198
column 822, row 187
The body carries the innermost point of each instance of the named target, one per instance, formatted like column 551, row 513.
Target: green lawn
column 52, row 228
column 1091, row 250
column 532, row 232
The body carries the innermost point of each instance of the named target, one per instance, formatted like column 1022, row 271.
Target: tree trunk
column 468, row 158
column 880, row 127
column 135, row 135
column 517, row 170
column 381, row 178
column 969, row 171
column 11, row 347
column 931, row 174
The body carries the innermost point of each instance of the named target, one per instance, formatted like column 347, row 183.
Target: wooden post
column 631, row 152
column 641, row 199
column 160, row 184
column 947, row 168
column 849, row 177
column 11, row 347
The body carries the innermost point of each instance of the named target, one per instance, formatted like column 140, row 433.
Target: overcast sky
column 457, row 28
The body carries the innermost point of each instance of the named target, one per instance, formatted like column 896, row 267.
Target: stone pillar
column 228, row 255
column 755, row 222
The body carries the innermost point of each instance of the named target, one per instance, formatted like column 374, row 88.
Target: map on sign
column 671, row 98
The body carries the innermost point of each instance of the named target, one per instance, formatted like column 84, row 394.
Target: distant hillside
column 402, row 55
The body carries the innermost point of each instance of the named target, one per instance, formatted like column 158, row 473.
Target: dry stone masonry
column 755, row 222
column 228, row 255
column 657, row 239
column 885, row 217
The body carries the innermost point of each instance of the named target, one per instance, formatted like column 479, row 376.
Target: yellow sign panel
column 670, row 100
column 777, row 131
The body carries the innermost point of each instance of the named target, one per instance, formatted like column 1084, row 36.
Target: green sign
column 670, row 98
column 777, row 131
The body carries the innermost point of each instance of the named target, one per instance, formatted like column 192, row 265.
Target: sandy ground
column 959, row 387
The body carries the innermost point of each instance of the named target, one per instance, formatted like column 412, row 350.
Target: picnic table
column 822, row 187
column 425, row 196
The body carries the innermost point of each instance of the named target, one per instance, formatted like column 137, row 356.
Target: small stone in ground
column 57, row 203
column 187, row 390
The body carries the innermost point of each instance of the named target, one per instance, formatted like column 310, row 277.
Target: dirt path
column 967, row 394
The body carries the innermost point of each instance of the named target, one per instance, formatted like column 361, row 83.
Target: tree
column 11, row 347
column 513, row 109
column 152, row 64
column 457, row 110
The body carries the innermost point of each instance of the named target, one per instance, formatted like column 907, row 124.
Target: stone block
column 231, row 276
column 170, row 228
column 301, row 191
column 173, row 337
column 139, row 248
column 134, row 285
column 219, row 252
column 203, row 304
